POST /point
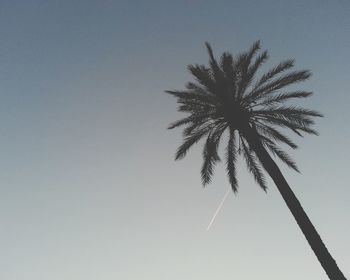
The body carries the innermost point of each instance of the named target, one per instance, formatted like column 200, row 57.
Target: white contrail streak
column 218, row 209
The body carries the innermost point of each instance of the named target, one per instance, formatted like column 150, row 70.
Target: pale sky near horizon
column 89, row 188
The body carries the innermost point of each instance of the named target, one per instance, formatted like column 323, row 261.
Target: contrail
column 218, row 209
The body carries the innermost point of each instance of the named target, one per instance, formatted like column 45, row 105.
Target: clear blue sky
column 88, row 186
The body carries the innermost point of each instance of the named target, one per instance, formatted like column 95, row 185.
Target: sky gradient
column 89, row 188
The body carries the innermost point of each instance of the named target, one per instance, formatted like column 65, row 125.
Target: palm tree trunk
column 309, row 231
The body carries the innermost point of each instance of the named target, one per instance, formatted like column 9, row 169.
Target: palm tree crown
column 227, row 96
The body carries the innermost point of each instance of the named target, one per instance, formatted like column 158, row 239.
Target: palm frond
column 181, row 122
column 253, row 166
column 198, row 89
column 226, row 64
column 255, row 66
column 210, row 154
column 197, row 124
column 288, row 110
column 203, row 76
column 190, row 140
column 296, row 128
column 273, row 133
column 252, row 51
column 245, row 70
column 294, row 115
column 231, row 156
column 230, row 73
column 283, row 156
column 277, row 84
column 280, row 98
column 281, row 67
column 214, row 66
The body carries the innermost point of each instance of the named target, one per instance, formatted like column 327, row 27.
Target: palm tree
column 227, row 97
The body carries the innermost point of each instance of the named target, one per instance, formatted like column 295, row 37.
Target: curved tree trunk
column 309, row 231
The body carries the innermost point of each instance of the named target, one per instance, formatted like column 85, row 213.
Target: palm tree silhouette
column 227, row 97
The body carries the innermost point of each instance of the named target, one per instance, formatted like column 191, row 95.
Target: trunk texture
column 309, row 231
